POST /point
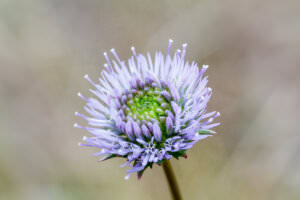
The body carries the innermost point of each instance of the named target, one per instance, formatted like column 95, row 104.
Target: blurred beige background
column 252, row 47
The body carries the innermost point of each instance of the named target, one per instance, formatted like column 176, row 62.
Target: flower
column 148, row 110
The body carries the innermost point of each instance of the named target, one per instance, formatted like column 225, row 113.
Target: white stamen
column 81, row 96
column 169, row 46
column 113, row 51
column 127, row 177
column 84, row 138
column 108, row 61
column 133, row 51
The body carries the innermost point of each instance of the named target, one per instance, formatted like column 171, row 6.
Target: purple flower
column 149, row 109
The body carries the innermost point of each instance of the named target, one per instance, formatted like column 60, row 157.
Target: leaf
column 206, row 132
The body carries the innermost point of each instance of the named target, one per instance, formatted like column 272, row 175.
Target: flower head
column 149, row 109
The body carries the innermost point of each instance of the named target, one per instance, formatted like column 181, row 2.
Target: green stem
column 173, row 185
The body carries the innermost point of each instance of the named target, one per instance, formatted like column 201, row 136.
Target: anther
column 84, row 138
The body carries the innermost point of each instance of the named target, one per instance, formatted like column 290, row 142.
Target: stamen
column 108, row 61
column 133, row 52
column 203, row 70
column 81, row 96
column 89, row 80
column 113, row 51
column 183, row 51
column 169, row 47
column 84, row 138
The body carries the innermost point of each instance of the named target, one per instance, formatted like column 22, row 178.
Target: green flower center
column 148, row 104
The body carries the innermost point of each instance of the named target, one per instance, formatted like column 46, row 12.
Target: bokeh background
column 252, row 47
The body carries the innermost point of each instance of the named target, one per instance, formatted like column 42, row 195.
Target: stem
column 173, row 185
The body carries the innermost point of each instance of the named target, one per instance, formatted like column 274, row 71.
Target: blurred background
column 252, row 47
